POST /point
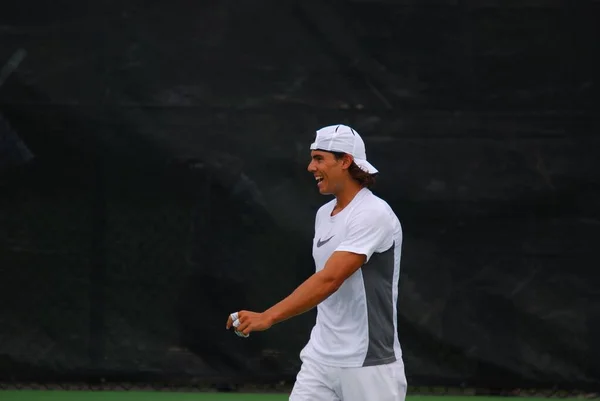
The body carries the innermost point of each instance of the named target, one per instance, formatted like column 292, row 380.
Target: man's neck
column 345, row 197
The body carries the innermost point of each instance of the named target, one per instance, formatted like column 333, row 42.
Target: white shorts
column 317, row 382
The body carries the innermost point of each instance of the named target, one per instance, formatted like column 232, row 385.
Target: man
column 353, row 352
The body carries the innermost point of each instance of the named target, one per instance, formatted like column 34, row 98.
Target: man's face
column 328, row 171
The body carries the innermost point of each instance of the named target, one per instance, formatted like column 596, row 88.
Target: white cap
column 341, row 138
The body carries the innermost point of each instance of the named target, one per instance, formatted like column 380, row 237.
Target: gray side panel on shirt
column 378, row 277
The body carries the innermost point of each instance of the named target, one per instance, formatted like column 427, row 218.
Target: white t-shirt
column 357, row 325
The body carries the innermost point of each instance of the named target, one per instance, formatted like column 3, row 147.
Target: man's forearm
column 308, row 295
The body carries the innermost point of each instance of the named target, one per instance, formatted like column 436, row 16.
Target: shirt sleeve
column 368, row 232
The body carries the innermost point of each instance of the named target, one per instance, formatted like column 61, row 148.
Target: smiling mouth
column 319, row 179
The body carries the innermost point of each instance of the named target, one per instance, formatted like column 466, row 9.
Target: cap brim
column 366, row 166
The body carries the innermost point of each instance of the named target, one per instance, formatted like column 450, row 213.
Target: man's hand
column 248, row 322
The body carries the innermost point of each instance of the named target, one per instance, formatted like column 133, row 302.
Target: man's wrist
column 270, row 317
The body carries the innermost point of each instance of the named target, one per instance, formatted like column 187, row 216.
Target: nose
column 311, row 167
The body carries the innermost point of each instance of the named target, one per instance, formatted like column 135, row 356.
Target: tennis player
column 353, row 352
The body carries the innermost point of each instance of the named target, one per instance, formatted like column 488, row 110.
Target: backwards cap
column 341, row 138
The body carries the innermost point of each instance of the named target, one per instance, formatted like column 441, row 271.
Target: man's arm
column 318, row 287
column 308, row 295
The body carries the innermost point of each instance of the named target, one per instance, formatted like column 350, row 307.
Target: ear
column 347, row 161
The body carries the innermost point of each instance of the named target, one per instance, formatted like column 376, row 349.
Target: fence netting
column 153, row 180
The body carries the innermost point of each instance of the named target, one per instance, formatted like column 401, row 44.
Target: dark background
column 153, row 179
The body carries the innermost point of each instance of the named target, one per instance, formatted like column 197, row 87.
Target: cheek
column 331, row 178
column 334, row 172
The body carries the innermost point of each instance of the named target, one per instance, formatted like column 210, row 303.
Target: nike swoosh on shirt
column 321, row 243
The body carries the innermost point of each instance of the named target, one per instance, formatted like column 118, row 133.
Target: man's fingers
column 233, row 317
column 241, row 322
column 240, row 334
column 242, row 326
column 245, row 330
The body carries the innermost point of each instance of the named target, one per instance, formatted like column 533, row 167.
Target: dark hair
column 359, row 175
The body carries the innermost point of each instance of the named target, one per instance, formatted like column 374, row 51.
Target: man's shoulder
column 374, row 205
column 373, row 210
